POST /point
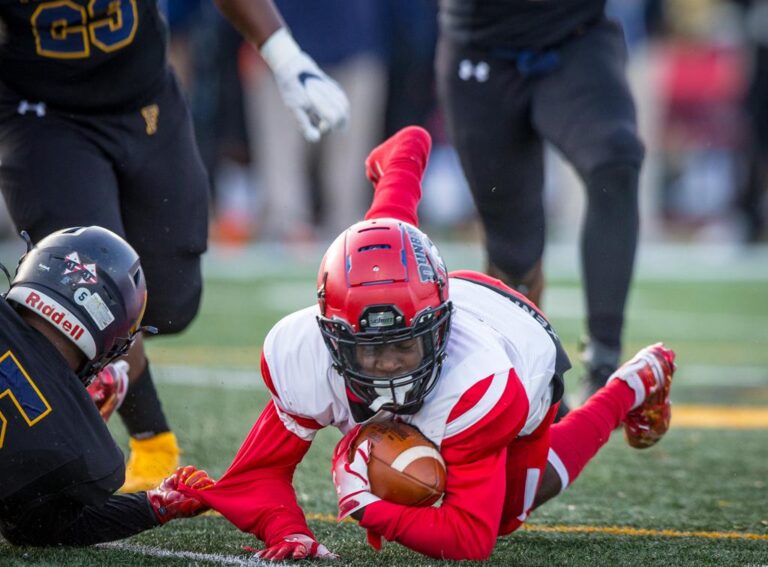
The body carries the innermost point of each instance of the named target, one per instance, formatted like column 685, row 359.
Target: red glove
column 295, row 546
column 109, row 387
column 411, row 144
column 350, row 475
column 168, row 503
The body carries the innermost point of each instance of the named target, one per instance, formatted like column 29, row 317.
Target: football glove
column 316, row 100
column 109, row 387
column 295, row 546
column 168, row 503
column 350, row 475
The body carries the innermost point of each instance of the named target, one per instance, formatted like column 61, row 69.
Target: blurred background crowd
column 698, row 69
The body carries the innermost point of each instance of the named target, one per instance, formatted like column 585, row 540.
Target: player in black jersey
column 513, row 74
column 74, row 305
column 94, row 131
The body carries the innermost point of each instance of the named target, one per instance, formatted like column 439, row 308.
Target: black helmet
column 88, row 283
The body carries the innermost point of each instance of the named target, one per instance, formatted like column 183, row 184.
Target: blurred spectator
column 703, row 133
column 317, row 190
column 752, row 201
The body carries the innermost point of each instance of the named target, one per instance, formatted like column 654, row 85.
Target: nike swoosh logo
column 304, row 76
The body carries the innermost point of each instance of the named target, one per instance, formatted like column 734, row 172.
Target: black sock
column 141, row 410
column 609, row 241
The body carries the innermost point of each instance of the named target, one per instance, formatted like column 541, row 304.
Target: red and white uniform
column 489, row 413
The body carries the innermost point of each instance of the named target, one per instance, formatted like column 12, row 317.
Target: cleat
column 151, row 461
column 649, row 374
column 109, row 388
column 168, row 503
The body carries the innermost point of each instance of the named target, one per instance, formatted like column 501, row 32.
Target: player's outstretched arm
column 315, row 99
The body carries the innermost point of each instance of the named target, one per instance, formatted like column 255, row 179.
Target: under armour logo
column 37, row 107
column 469, row 70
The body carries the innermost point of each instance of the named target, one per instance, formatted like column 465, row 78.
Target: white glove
column 316, row 100
column 350, row 477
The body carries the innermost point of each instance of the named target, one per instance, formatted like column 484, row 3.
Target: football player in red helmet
column 74, row 305
column 473, row 364
column 384, row 313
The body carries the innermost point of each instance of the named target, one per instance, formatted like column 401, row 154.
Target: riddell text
column 58, row 318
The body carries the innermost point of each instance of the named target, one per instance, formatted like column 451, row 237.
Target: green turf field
column 698, row 498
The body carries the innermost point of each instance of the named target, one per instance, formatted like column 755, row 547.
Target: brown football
column 405, row 467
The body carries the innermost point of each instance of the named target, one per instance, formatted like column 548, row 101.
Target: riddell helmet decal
column 57, row 315
column 80, row 273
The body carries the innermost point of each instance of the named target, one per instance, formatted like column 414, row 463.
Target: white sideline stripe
column 414, row 453
column 216, row 558
column 243, row 379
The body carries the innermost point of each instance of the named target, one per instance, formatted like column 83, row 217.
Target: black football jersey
column 516, row 24
column 82, row 55
column 50, row 430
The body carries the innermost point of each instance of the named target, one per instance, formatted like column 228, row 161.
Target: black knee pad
column 607, row 144
column 174, row 289
column 612, row 188
column 515, row 259
column 172, row 313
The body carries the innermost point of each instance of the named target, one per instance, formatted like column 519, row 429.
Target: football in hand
column 405, row 467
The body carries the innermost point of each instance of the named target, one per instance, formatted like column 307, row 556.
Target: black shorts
column 498, row 120
column 136, row 173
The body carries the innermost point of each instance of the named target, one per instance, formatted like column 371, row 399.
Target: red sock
column 396, row 168
column 581, row 433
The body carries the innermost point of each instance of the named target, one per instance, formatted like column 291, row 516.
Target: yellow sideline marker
column 608, row 530
column 617, row 530
column 721, row 417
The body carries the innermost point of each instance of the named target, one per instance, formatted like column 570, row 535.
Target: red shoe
column 168, row 503
column 109, row 387
column 649, row 374
column 412, row 142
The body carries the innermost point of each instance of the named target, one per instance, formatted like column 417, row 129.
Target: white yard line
column 665, row 262
column 243, row 379
column 215, row 558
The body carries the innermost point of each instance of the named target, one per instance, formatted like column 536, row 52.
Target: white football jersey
column 490, row 336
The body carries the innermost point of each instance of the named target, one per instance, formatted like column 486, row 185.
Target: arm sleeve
column 463, row 527
column 466, row 524
column 256, row 493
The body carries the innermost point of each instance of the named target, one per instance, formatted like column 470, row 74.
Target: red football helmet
column 383, row 282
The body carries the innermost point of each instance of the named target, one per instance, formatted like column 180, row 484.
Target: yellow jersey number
column 66, row 30
column 16, row 384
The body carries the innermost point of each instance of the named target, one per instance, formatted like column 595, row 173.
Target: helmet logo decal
column 381, row 319
column 82, row 273
column 95, row 307
column 56, row 314
column 426, row 273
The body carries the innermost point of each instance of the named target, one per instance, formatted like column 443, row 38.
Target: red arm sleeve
column 256, row 492
column 466, row 524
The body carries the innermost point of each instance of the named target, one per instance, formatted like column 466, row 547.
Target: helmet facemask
column 403, row 392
